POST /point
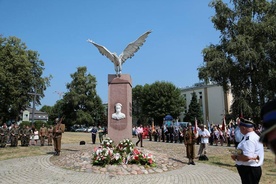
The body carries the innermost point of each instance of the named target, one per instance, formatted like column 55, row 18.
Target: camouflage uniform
column 14, row 132
column 25, row 136
column 4, row 131
column 101, row 132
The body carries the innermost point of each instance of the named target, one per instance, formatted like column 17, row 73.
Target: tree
column 81, row 104
column 157, row 100
column 137, row 103
column 50, row 111
column 194, row 111
column 46, row 108
column 20, row 74
column 245, row 56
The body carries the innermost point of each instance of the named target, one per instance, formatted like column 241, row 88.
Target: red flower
column 136, row 152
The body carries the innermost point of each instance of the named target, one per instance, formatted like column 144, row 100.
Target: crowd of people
column 219, row 136
column 243, row 134
column 31, row 136
column 25, row 135
column 247, row 138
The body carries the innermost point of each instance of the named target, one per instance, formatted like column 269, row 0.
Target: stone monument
column 119, row 107
column 120, row 91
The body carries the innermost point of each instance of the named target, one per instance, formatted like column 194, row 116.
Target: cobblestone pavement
column 40, row 169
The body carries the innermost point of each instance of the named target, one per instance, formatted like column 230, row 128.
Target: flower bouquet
column 123, row 152
column 138, row 157
column 107, row 143
column 125, row 146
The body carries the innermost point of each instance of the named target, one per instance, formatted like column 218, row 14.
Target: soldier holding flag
column 57, row 134
column 190, row 137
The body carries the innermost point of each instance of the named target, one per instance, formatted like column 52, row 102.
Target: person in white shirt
column 250, row 154
column 204, row 135
column 268, row 115
column 238, row 134
column 140, row 131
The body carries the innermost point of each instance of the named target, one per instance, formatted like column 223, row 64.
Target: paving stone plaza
column 42, row 169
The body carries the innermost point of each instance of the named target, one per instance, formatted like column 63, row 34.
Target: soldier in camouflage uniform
column 14, row 132
column 4, row 131
column 25, row 135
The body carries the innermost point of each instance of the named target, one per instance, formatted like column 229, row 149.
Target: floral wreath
column 123, row 153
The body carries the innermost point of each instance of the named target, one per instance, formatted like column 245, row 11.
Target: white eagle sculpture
column 127, row 53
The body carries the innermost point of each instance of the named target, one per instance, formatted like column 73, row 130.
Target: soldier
column 101, row 132
column 25, row 135
column 20, row 131
column 50, row 135
column 3, row 135
column 57, row 135
column 190, row 138
column 42, row 134
column 14, row 132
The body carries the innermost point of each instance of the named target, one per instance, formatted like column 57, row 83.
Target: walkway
column 40, row 170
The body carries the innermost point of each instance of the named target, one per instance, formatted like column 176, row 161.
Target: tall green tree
column 20, row 74
column 81, row 104
column 137, row 103
column 245, row 56
column 194, row 111
column 158, row 100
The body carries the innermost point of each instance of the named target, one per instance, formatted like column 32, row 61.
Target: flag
column 195, row 126
column 241, row 115
column 223, row 128
column 209, row 126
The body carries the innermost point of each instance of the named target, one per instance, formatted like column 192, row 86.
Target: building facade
column 213, row 100
column 38, row 115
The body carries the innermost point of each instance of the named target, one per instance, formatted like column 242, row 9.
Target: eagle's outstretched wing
column 104, row 51
column 133, row 47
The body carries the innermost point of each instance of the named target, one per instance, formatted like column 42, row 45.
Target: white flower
column 117, row 156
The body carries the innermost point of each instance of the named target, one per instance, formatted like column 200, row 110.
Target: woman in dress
column 36, row 137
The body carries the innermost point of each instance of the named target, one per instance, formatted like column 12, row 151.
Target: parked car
column 80, row 130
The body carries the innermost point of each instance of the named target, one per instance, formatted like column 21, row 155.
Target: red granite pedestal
column 120, row 91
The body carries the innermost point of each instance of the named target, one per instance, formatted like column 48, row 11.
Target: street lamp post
column 60, row 94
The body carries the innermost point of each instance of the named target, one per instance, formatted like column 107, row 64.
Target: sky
column 58, row 31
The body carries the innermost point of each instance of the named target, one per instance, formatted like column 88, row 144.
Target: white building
column 213, row 100
column 38, row 115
